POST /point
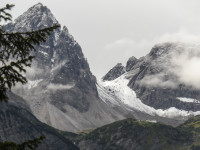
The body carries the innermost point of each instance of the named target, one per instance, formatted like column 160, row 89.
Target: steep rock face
column 154, row 87
column 130, row 63
column 156, row 84
column 61, row 90
column 115, row 72
column 19, row 125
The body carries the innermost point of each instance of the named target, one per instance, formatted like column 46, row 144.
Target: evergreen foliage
column 15, row 55
column 15, row 52
column 29, row 145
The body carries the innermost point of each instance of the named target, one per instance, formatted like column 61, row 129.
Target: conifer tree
column 29, row 145
column 15, row 55
column 15, row 52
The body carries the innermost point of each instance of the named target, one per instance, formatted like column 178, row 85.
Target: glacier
column 117, row 92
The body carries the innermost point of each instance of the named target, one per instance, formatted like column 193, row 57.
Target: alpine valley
column 145, row 105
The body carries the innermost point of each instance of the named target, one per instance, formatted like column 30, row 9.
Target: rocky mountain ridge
column 168, row 90
column 115, row 72
column 61, row 88
column 63, row 93
column 19, row 125
column 154, row 84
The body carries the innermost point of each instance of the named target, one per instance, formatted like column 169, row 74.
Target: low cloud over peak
column 179, row 66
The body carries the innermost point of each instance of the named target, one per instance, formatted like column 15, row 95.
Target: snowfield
column 188, row 100
column 34, row 83
column 116, row 92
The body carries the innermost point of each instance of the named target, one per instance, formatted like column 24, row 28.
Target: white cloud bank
column 55, row 87
column 179, row 66
column 183, row 61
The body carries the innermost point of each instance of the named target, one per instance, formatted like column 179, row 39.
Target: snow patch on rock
column 34, row 83
column 188, row 100
column 44, row 53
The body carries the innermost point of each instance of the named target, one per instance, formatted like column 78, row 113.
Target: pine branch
column 49, row 29
column 3, row 13
column 29, row 145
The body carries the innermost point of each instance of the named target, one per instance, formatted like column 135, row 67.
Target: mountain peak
column 65, row 29
column 115, row 72
column 118, row 65
column 36, row 17
column 130, row 63
column 162, row 48
column 38, row 5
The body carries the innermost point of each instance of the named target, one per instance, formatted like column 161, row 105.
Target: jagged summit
column 36, row 17
column 115, row 72
column 65, row 29
column 164, row 49
column 118, row 64
column 163, row 81
column 132, row 58
column 130, row 63
column 158, row 80
column 38, row 5
column 61, row 88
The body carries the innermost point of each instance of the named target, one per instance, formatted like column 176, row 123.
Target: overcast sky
column 111, row 31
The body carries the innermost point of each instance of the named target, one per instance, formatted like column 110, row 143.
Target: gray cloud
column 55, row 87
column 187, row 66
column 157, row 81
column 33, row 71
column 181, row 64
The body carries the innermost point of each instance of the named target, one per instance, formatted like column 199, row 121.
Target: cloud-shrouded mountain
column 169, row 76
column 61, row 89
column 164, row 83
column 163, row 86
column 63, row 93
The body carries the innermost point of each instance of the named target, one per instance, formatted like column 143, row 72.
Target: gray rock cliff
column 115, row 72
column 61, row 89
column 156, row 84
